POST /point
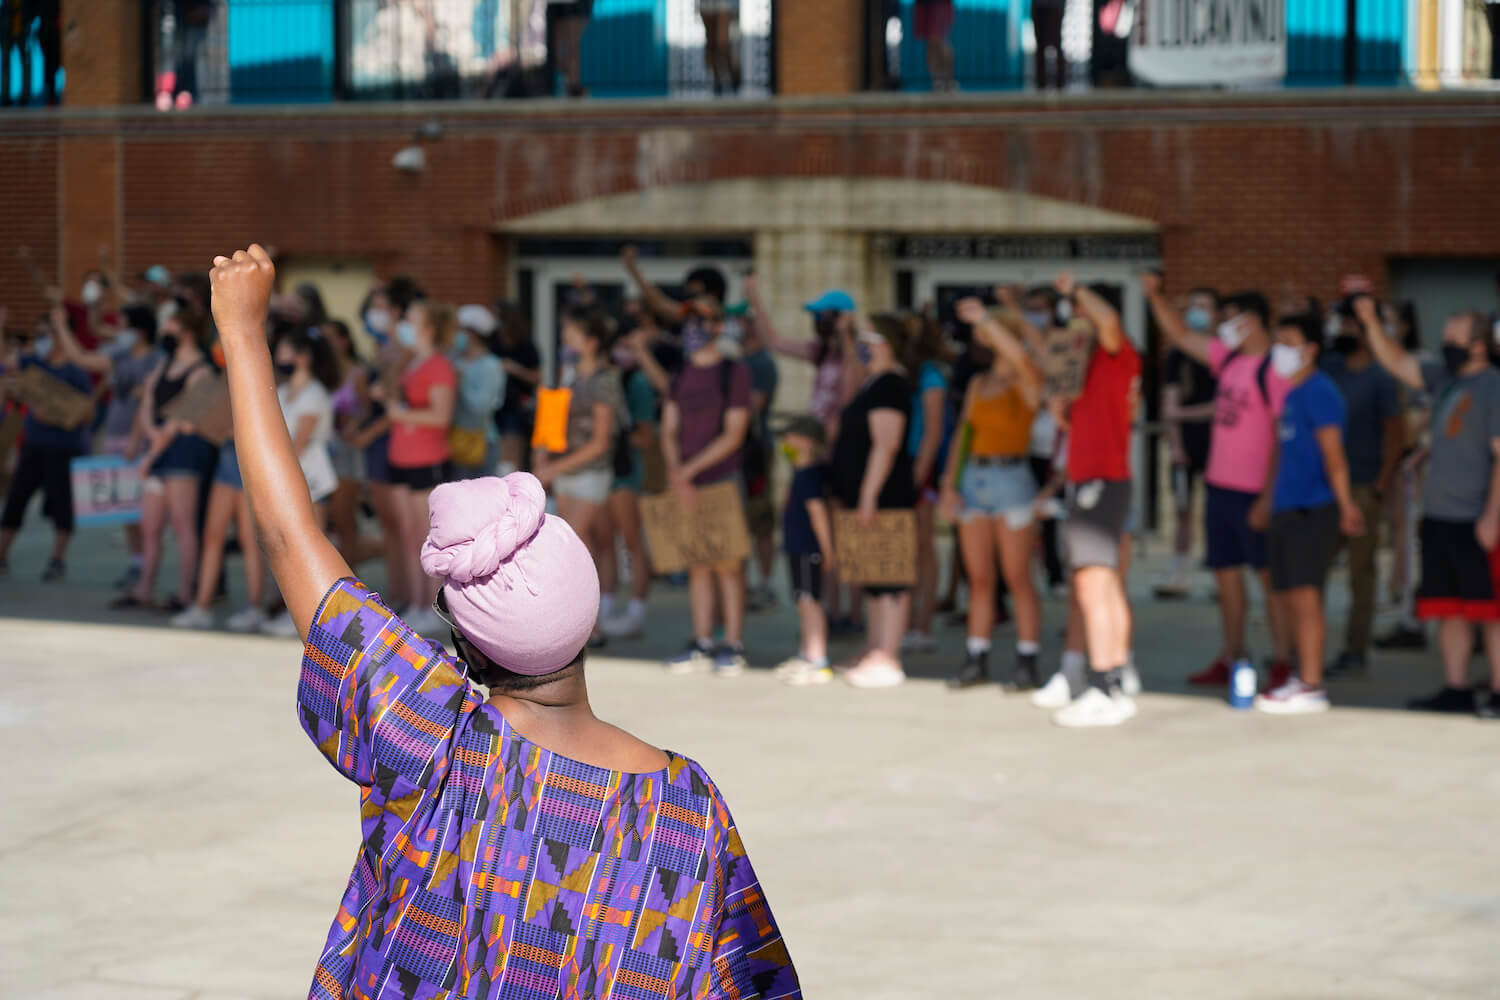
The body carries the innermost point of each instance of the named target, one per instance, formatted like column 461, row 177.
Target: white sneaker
column 1094, row 708
column 625, row 626
column 245, row 620
column 875, row 675
column 918, row 642
column 1130, row 680
column 193, row 617
column 804, row 673
column 1293, row 698
column 281, row 626
column 1055, row 694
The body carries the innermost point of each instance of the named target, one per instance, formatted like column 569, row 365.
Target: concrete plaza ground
column 170, row 833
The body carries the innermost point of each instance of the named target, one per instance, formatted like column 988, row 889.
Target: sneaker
column 245, row 620
column 626, row 626
column 1278, row 672
column 1054, row 694
column 1130, row 680
column 760, row 599
column 1172, row 590
column 692, row 659
column 1488, row 705
column 128, row 579
column 1402, row 637
column 281, row 626
column 1023, row 678
column 875, row 675
column 1293, row 698
column 729, row 661
column 184, row 101
column 1093, row 709
column 1347, row 665
column 918, row 642
column 974, row 672
column 1448, row 701
column 1217, row 675
column 54, row 572
column 805, row 673
column 193, row 617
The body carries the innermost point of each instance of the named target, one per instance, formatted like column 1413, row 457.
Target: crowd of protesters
column 1308, row 427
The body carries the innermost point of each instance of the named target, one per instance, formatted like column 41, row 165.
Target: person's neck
column 1303, row 375
column 298, row 379
column 1255, row 345
column 1474, row 367
column 587, row 364
column 703, row 357
column 186, row 352
column 555, row 707
column 422, row 352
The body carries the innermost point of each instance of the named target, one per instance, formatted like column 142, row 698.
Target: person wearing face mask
column 481, row 387
column 419, row 454
column 829, row 311
column 1238, row 356
column 46, row 453
column 125, row 363
column 1187, row 411
column 1460, row 528
column 1374, row 437
column 704, row 424
column 1306, row 505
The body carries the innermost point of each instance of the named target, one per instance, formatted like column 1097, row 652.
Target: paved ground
column 169, row 833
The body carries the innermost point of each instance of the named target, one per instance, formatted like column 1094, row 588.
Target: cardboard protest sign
column 106, row 490
column 205, row 405
column 882, row 556
column 713, row 533
column 1067, row 358
column 52, row 400
column 550, row 432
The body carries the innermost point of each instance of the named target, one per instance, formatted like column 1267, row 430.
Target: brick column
column 103, row 52
column 820, row 46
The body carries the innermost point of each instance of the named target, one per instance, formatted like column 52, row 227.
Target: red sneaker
column 1281, row 672
column 1217, row 675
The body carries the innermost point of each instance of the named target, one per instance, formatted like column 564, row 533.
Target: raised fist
column 1151, row 283
column 1365, row 310
column 1065, row 283
column 629, row 254
column 970, row 310
column 242, row 290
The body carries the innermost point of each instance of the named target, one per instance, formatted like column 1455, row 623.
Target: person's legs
column 814, row 630
column 153, row 526
column 976, row 539
column 1362, row 576
column 624, row 511
column 701, row 601
column 1232, row 601
column 512, row 449
column 1456, row 643
column 222, row 502
column 589, row 522
column 569, row 44
column 1492, row 653
column 343, row 508
column 924, row 600
column 1283, row 642
column 1105, row 616
column 424, row 588
column 182, row 507
column 732, row 595
column 28, row 478
column 1304, row 607
column 386, row 499
column 409, row 538
column 1016, row 546
column 250, row 557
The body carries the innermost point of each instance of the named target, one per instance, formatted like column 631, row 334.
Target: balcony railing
column 277, row 51
column 30, row 54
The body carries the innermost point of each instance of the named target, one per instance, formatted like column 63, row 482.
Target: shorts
column 1459, row 578
column 999, row 488
column 49, row 470
column 228, row 469
column 1231, row 542
column 378, row 460
column 932, row 20
column 188, row 456
column 348, row 463
column 1096, row 514
column 1300, row 546
column 588, row 485
column 806, row 571
column 513, row 423
column 420, row 478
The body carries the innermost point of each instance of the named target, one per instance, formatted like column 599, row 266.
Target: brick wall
column 1257, row 192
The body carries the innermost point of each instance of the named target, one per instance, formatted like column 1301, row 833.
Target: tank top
column 169, row 388
column 1001, row 424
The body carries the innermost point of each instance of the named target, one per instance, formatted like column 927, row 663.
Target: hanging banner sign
column 1207, row 42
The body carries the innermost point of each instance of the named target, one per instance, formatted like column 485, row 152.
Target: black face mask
column 1346, row 343
column 167, row 342
column 181, row 301
column 1455, row 357
column 284, row 369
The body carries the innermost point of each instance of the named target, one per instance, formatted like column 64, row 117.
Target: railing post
column 1351, row 42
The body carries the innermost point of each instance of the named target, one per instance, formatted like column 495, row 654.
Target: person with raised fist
column 579, row 802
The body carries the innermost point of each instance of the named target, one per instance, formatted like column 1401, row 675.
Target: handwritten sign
column 1067, row 358
column 52, row 400
column 205, row 405
column 713, row 533
column 106, row 490
column 882, row 556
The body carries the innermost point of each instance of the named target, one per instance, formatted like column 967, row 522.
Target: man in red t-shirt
column 1099, row 491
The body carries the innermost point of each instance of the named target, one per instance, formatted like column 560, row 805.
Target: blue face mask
column 378, row 324
column 864, row 353
column 461, row 341
column 406, row 333
column 570, row 356
column 1199, row 318
column 695, row 337
column 43, row 347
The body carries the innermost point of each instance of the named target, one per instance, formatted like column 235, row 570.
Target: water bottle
column 1242, row 683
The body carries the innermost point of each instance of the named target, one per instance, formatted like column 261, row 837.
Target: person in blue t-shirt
column 47, row 453
column 1305, row 506
column 807, row 539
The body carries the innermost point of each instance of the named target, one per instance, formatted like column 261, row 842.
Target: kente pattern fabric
column 493, row 868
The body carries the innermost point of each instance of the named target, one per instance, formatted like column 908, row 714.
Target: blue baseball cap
column 833, row 300
column 157, row 275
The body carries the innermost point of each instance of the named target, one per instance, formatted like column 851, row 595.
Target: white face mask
column 1232, row 333
column 125, row 340
column 92, row 292
column 1286, row 360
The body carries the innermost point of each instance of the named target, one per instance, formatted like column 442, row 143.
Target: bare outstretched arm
column 305, row 563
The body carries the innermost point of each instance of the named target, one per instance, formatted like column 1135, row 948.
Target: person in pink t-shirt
column 1239, row 460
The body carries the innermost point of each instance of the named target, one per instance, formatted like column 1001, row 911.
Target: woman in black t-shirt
column 871, row 471
column 523, row 371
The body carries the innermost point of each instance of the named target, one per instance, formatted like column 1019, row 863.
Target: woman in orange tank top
column 990, row 494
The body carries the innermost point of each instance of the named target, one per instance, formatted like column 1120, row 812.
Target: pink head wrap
column 520, row 585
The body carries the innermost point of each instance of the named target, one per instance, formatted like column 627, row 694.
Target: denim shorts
column 228, row 469
column 188, row 456
column 999, row 488
column 378, row 460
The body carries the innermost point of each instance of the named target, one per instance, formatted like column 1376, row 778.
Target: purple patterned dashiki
column 493, row 868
